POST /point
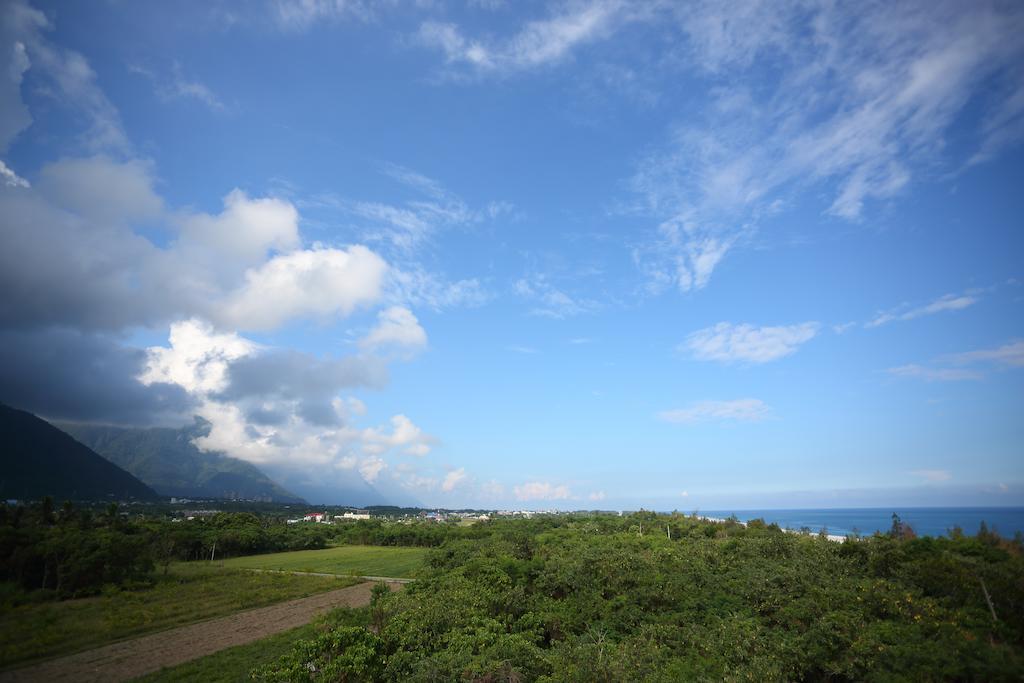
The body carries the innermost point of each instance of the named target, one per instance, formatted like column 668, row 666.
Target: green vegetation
column 572, row 598
column 234, row 664
column 37, row 460
column 188, row 593
column 349, row 559
column 168, row 461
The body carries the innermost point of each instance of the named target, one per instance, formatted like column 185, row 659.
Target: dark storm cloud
column 306, row 382
column 69, row 375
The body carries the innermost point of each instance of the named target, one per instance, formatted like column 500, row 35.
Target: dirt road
column 133, row 658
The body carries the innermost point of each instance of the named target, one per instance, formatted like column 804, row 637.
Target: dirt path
column 133, row 658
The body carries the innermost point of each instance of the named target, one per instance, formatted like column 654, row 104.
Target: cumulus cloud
column 197, row 359
column 247, row 229
column 742, row 410
column 727, row 342
column 66, row 374
column 453, row 479
column 242, row 268
column 396, row 327
column 319, row 283
column 279, row 406
column 596, row 496
column 541, row 490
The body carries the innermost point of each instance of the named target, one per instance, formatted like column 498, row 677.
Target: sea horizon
column 864, row 521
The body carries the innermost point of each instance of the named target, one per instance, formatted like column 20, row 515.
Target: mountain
column 39, row 460
column 167, row 460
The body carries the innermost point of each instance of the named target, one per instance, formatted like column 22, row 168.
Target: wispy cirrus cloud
column 741, row 410
column 1010, row 354
column 949, row 302
column 849, row 103
column 551, row 302
column 729, row 343
column 979, row 362
column 934, row 374
column 535, row 44
column 933, row 476
column 176, row 86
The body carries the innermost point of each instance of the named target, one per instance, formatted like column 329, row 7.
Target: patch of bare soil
column 133, row 658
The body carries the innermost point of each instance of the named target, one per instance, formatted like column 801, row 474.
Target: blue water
column 866, row 521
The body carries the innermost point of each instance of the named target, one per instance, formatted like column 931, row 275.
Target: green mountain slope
column 37, row 460
column 167, row 460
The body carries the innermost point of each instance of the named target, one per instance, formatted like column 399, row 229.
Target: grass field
column 234, row 664
column 349, row 559
column 192, row 592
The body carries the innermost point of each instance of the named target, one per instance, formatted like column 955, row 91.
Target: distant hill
column 37, row 459
column 167, row 460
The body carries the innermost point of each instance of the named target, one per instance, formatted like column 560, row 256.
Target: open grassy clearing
column 190, row 593
column 234, row 664
column 348, row 559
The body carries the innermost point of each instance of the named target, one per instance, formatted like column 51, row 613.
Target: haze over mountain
column 591, row 253
column 37, row 459
column 167, row 460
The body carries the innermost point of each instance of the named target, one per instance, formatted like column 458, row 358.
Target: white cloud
column 277, row 407
column 371, row 467
column 550, row 301
column 853, row 103
column 453, row 479
column 743, row 410
column 933, row 475
column 1011, row 354
column 69, row 79
column 246, row 229
column 197, row 358
column 10, row 178
column 396, row 327
column 727, row 342
column 516, row 348
column 537, row 43
column 934, row 374
column 178, row 86
column 541, row 490
column 596, row 496
column 404, row 436
column 1008, row 355
column 300, row 15
column 320, row 283
column 949, row 302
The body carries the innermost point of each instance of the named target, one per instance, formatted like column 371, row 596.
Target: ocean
column 866, row 521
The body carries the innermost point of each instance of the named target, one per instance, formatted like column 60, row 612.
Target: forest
column 590, row 597
column 617, row 599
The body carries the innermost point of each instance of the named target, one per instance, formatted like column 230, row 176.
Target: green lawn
column 363, row 560
column 192, row 592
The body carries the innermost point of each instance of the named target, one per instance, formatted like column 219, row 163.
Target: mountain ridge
column 38, row 460
column 167, row 460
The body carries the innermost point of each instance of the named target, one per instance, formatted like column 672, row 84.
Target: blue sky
column 572, row 254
